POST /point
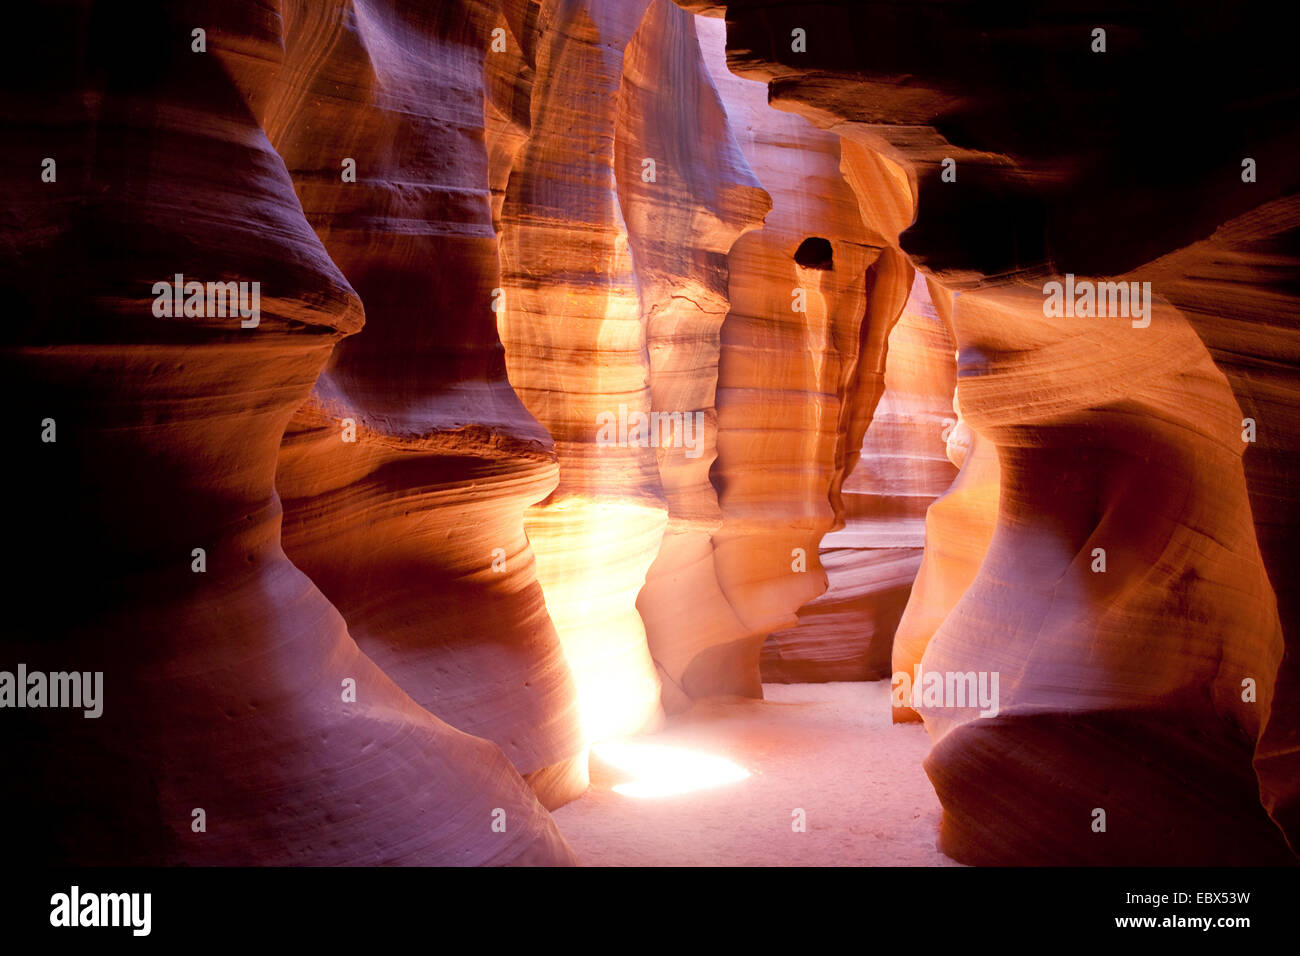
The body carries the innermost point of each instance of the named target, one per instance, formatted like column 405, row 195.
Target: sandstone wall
column 1119, row 686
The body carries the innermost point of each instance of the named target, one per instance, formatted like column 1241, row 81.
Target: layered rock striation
column 848, row 632
column 414, row 393
column 239, row 721
column 813, row 295
column 1124, row 598
column 406, row 474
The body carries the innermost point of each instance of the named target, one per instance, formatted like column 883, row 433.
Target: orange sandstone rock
column 848, row 632
column 231, row 685
column 406, row 475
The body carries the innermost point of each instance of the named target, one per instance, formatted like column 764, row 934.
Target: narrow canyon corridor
column 630, row 433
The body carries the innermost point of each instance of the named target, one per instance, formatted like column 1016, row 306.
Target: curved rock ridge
column 239, row 722
column 848, row 632
column 687, row 193
column 1238, row 291
column 1041, row 126
column 576, row 350
column 409, row 394
column 406, row 475
column 958, row 528
column 1110, row 434
column 812, row 296
column 1123, row 600
column 1109, row 527
column 629, row 129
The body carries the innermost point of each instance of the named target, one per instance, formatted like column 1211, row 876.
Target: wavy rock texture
column 848, row 632
column 414, row 530
column 1131, row 444
column 1122, row 687
column 222, row 690
column 802, row 349
column 1040, row 126
column 665, row 237
column 571, row 305
column 477, row 577
column 683, row 216
column 1238, row 289
column 958, row 528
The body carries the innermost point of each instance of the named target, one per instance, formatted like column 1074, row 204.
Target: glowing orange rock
column 231, row 685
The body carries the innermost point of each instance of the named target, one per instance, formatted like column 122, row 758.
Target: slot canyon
column 631, row 432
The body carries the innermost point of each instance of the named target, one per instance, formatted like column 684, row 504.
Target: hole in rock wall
column 847, row 633
column 815, row 253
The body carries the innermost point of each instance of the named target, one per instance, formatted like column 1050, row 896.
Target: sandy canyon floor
column 827, row 749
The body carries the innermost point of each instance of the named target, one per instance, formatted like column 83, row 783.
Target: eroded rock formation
column 571, row 306
column 149, row 518
column 671, row 199
column 1117, row 432
column 813, row 295
column 406, row 474
column 685, row 210
column 582, row 372
column 848, row 632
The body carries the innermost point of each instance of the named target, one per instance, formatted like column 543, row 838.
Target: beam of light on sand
column 662, row 771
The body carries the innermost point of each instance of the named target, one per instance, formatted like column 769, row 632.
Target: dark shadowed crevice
column 815, row 253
